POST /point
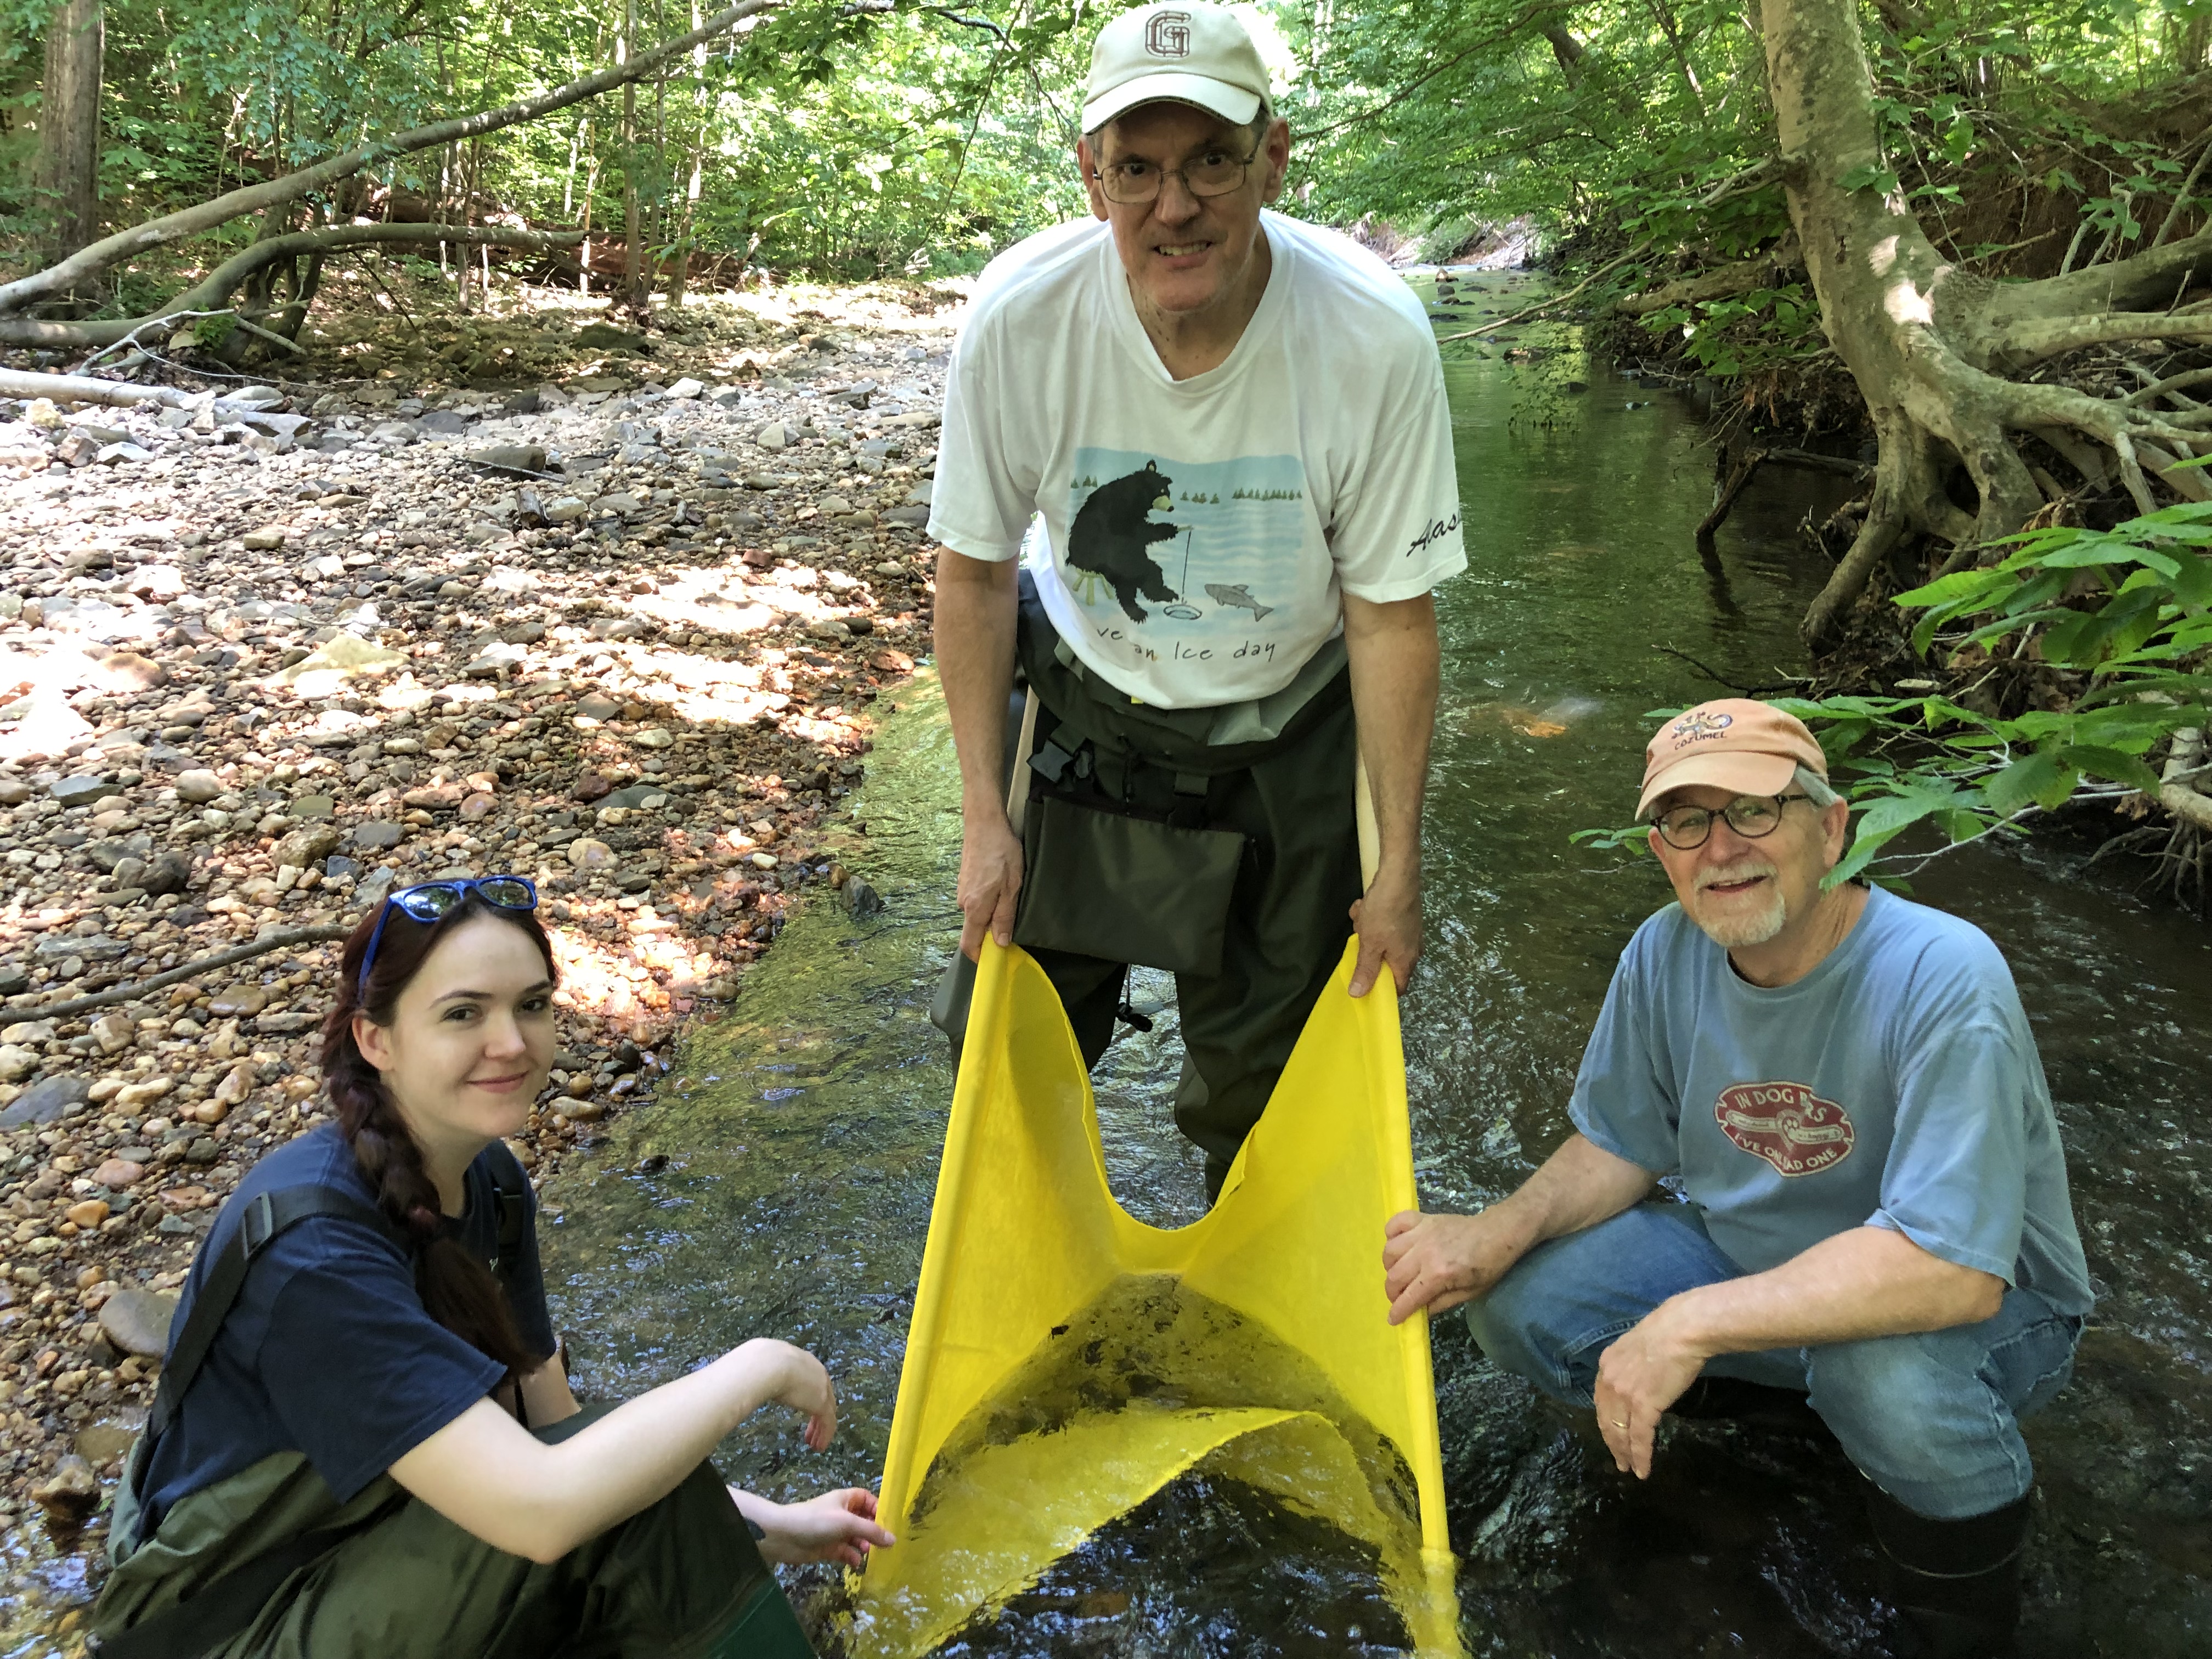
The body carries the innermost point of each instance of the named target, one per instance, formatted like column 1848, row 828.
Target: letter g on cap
column 1167, row 34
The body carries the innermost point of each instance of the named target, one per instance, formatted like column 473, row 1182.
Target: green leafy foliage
column 835, row 138
column 826, row 139
column 2124, row 615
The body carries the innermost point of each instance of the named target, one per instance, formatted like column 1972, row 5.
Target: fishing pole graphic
column 1182, row 610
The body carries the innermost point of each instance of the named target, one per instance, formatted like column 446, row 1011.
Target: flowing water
column 791, row 1170
column 782, row 1184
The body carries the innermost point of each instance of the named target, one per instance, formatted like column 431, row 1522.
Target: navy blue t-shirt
column 328, row 1351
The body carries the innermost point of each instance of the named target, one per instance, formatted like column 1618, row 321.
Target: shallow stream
column 800, row 1146
column 782, row 1185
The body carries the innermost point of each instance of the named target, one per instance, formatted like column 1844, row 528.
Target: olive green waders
column 1219, row 843
column 681, row 1579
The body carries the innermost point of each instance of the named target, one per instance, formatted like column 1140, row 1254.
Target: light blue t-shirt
column 1895, row 1085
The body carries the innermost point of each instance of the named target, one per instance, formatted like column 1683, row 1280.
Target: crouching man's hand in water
column 1439, row 1262
column 838, row 1526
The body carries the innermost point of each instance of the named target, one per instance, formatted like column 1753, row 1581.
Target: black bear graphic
column 1112, row 530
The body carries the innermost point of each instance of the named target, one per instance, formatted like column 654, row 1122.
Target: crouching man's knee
column 1933, row 1418
column 1511, row 1338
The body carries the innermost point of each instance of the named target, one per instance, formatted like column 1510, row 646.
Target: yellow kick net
column 1067, row 1362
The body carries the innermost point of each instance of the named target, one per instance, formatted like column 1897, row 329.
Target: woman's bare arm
column 489, row 1476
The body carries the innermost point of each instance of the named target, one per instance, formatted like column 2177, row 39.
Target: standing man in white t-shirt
column 1228, row 429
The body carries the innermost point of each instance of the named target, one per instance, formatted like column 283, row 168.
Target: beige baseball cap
column 1732, row 743
column 1189, row 53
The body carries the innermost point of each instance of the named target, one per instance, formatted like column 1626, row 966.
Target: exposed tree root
column 2183, row 861
column 2184, row 768
column 1940, row 353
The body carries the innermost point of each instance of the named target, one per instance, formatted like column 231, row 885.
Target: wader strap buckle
column 510, row 1191
column 257, row 1225
column 1049, row 761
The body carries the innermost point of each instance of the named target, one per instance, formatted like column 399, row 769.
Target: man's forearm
column 1439, row 1262
column 975, row 639
column 1868, row 1282
column 1578, row 1187
column 1394, row 669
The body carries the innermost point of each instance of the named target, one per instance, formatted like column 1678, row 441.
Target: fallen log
column 115, row 394
column 207, row 297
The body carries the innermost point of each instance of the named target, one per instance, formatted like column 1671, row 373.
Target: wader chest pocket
column 1125, row 889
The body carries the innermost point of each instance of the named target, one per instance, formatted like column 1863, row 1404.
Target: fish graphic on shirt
column 1239, row 597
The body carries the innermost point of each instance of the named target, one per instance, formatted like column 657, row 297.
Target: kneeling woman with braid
column 364, row 1443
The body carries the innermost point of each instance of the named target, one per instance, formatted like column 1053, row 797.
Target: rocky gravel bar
column 618, row 631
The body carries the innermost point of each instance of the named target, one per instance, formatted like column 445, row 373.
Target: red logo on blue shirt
column 1786, row 1124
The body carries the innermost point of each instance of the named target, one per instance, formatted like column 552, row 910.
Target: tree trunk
column 633, row 269
column 69, row 124
column 1566, row 51
column 679, row 271
column 1930, row 345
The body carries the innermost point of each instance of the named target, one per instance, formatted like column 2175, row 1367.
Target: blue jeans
column 1933, row 1419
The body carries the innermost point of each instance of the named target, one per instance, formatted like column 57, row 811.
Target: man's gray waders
column 1217, row 844
column 268, row 1564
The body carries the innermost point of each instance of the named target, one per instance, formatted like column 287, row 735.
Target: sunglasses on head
column 428, row 901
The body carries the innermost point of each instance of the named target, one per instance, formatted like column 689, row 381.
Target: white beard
column 1735, row 924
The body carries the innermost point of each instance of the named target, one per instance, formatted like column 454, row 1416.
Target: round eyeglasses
column 1686, row 828
column 1213, row 172
column 428, row 901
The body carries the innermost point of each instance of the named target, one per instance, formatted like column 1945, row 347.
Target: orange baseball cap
column 1731, row 743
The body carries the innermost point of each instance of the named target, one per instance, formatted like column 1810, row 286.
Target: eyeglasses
column 1686, row 828
column 1213, row 173
column 430, row 900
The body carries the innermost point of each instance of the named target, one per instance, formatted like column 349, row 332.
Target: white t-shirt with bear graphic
column 1196, row 534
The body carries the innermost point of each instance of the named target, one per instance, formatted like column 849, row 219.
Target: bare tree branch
column 258, row 947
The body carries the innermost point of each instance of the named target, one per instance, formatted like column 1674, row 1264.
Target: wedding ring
column 1618, row 1424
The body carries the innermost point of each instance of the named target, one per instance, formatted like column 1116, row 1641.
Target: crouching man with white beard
column 1876, row 1222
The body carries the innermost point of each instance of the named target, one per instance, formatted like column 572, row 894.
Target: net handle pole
column 1018, row 788
column 1363, row 808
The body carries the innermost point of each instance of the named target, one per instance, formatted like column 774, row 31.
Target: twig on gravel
column 260, row 946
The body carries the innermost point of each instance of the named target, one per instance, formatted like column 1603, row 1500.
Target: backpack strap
column 266, row 1215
